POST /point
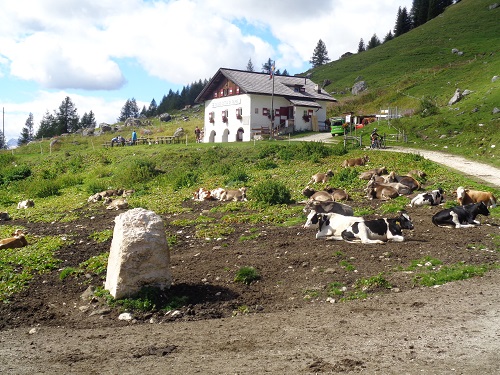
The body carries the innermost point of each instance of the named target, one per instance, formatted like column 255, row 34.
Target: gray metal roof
column 261, row 83
column 304, row 103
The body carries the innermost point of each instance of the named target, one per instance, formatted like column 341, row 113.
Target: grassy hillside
column 420, row 65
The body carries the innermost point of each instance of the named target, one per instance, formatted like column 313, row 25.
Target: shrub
column 139, row 171
column 94, row 187
column 428, row 107
column 45, row 188
column 271, row 192
column 236, row 177
column 15, row 173
column 184, row 179
column 246, row 275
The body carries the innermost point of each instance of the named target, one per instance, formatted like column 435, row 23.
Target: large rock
column 165, row 117
column 179, row 132
column 456, row 97
column 131, row 121
column 104, row 127
column 359, row 87
column 139, row 254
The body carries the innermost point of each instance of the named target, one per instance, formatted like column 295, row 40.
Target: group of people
column 120, row 141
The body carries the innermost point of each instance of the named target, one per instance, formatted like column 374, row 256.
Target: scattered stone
column 494, row 79
column 125, row 316
column 359, row 87
column 4, row 216
column 88, row 294
column 493, row 6
column 495, row 110
column 32, row 331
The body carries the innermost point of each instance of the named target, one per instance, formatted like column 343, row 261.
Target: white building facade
column 239, row 105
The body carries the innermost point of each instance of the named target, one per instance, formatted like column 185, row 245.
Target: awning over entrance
column 304, row 103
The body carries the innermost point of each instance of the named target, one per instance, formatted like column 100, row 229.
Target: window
column 230, row 91
column 239, row 112
column 265, row 111
column 211, row 117
column 215, row 94
column 256, row 111
column 224, row 115
column 237, row 90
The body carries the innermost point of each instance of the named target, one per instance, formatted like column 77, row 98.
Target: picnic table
column 167, row 139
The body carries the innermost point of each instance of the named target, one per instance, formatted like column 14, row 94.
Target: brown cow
column 367, row 175
column 383, row 192
column 355, row 162
column 321, row 177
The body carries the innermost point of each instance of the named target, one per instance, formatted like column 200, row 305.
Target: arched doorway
column 225, row 135
column 239, row 135
column 211, row 139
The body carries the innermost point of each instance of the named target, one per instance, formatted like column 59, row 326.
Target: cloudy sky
column 102, row 52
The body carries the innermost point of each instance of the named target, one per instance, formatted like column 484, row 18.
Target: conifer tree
column 361, row 46
column 373, row 42
column 320, row 55
column 67, row 118
column 27, row 132
column 250, row 67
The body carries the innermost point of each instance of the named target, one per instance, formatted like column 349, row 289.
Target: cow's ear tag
column 398, row 222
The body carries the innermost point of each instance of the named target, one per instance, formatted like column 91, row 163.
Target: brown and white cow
column 367, row 175
column 467, row 196
column 25, row 204
column 16, row 241
column 202, row 194
column 383, row 192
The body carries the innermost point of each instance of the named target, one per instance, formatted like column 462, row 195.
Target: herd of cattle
column 335, row 220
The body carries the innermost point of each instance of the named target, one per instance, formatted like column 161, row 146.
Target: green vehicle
column 337, row 126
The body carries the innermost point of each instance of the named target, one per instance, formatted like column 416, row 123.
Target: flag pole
column 272, row 100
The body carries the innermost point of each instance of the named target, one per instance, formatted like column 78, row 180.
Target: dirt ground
column 285, row 323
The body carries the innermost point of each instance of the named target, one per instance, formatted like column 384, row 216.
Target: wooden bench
column 262, row 131
column 167, row 139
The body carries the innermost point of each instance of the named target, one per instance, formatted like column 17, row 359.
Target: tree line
column 421, row 12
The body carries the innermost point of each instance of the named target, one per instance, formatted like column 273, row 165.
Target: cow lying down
column 431, row 198
column 17, row 240
column 378, row 230
column 460, row 216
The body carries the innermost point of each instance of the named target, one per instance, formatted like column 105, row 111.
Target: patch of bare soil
column 283, row 323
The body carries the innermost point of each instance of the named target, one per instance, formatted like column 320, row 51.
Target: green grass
column 447, row 274
column 246, row 275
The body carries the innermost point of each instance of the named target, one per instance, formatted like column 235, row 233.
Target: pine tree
column 436, row 7
column 373, row 42
column 320, row 55
column 27, row 132
column 48, row 126
column 129, row 109
column 361, row 46
column 266, row 67
column 285, row 73
column 250, row 67
column 388, row 36
column 88, row 120
column 403, row 22
column 151, row 111
column 3, row 144
column 418, row 12
column 67, row 117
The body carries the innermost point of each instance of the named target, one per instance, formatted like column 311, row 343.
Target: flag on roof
column 271, row 70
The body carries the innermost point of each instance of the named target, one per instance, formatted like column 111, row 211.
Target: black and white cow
column 330, row 225
column 431, row 198
column 378, row 230
column 460, row 216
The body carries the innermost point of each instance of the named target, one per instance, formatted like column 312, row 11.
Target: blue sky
column 102, row 52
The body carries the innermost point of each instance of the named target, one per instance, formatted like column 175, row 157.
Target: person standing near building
column 197, row 133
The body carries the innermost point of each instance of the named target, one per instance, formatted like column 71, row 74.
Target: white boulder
column 139, row 254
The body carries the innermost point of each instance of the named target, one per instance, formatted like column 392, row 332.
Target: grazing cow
column 234, row 195
column 118, row 204
column 202, row 194
column 217, row 193
column 4, row 216
column 321, row 177
column 383, row 192
column 431, row 198
column 17, row 240
column 378, row 230
column 25, row 204
column 355, row 162
column 367, row 175
column 467, row 196
column 460, row 216
column 330, row 225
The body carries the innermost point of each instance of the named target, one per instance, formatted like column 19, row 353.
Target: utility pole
column 3, row 126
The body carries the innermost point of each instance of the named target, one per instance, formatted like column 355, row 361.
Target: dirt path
column 453, row 329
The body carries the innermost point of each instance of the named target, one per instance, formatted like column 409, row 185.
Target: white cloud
column 80, row 44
